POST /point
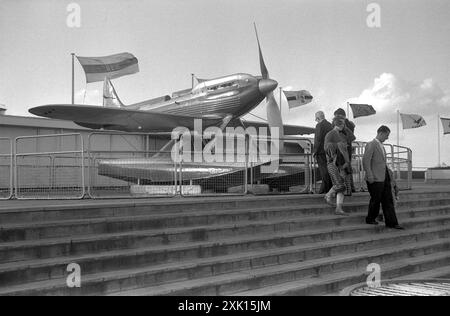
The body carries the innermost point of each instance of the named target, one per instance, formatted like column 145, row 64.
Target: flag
column 297, row 98
column 446, row 125
column 362, row 110
column 113, row 66
column 412, row 121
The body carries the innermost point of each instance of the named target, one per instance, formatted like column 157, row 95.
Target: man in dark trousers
column 322, row 128
column 349, row 125
column 378, row 181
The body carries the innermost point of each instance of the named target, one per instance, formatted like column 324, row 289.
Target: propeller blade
column 267, row 86
column 264, row 71
column 274, row 118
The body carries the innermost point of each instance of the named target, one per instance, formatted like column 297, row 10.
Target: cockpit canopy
column 224, row 83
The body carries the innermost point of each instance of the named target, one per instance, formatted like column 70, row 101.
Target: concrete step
column 111, row 208
column 136, row 280
column 335, row 282
column 192, row 264
column 241, row 283
column 31, row 213
column 438, row 273
column 39, row 230
column 341, row 227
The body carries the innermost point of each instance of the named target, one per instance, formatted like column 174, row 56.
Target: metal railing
column 53, row 171
column 6, row 168
column 399, row 160
column 402, row 166
column 134, row 171
column 127, row 165
column 294, row 173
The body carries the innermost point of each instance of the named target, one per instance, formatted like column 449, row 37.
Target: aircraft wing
column 289, row 130
column 122, row 119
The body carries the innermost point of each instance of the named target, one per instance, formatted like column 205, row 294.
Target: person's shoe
column 328, row 200
column 371, row 222
column 396, row 227
column 380, row 218
column 341, row 212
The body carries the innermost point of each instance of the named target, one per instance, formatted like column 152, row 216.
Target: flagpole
column 73, row 78
column 192, row 81
column 398, row 128
column 348, row 111
column 398, row 143
column 439, row 141
column 280, row 97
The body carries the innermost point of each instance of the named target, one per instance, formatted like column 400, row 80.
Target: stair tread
column 153, row 232
column 92, row 220
column 429, row 274
column 166, row 289
column 36, row 263
column 55, row 205
column 228, row 277
column 278, row 289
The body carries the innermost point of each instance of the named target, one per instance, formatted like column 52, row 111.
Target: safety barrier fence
column 399, row 160
column 46, row 173
column 133, row 171
column 288, row 173
column 126, row 165
column 6, row 168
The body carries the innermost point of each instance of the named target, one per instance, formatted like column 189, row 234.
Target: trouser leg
column 376, row 192
column 387, row 203
column 326, row 180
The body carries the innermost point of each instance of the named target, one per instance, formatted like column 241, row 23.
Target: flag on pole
column 446, row 125
column 113, row 66
column 362, row 110
column 412, row 121
column 297, row 98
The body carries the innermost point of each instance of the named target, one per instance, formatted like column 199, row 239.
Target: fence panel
column 6, row 168
column 294, row 171
column 49, row 167
column 402, row 166
column 217, row 168
column 132, row 170
column 398, row 158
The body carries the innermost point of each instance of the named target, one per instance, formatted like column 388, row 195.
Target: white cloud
column 389, row 94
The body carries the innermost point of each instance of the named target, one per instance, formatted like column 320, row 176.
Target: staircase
column 268, row 245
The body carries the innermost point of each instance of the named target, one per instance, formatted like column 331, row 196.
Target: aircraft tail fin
column 110, row 97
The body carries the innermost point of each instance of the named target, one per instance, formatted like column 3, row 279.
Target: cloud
column 389, row 93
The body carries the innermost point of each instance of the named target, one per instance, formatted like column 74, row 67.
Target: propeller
column 266, row 86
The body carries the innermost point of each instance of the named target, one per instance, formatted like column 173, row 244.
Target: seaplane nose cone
column 267, row 85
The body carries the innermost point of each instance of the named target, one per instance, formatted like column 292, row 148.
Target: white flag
column 412, row 121
column 446, row 125
column 297, row 98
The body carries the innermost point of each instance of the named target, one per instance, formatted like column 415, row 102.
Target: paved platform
column 86, row 203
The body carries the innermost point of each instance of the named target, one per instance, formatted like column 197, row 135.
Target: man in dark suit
column 322, row 128
column 378, row 181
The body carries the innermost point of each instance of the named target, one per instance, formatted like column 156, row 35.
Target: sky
column 323, row 46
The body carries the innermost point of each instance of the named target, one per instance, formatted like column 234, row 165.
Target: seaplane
column 220, row 102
